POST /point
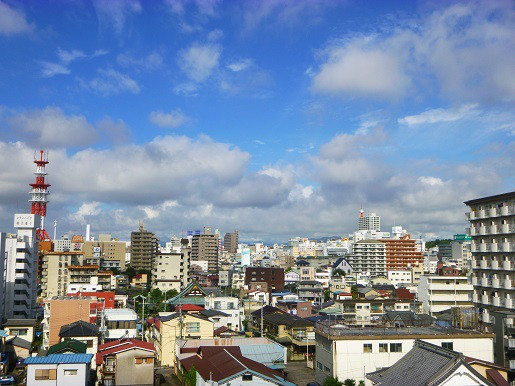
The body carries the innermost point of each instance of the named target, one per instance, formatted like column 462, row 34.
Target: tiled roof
column 20, row 322
column 266, row 310
column 219, row 363
column 78, row 328
column 19, row 342
column 122, row 345
column 424, row 364
column 68, row 345
column 59, row 359
column 403, row 293
column 211, row 312
column 189, row 307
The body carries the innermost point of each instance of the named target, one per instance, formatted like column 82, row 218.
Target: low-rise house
column 311, row 291
column 227, row 366
column 351, row 352
column 430, row 364
column 283, row 295
column 84, row 332
column 120, row 323
column 126, row 362
column 16, row 348
column 291, row 277
column 300, row 308
column 59, row 369
column 68, row 347
column 229, row 306
column 22, row 328
column 139, row 280
column 168, row 328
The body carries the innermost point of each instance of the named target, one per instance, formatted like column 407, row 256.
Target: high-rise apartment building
column 55, row 277
column 2, row 273
column 21, row 269
column 231, row 242
column 144, row 247
column 492, row 228
column 368, row 256
column 204, row 247
column 402, row 253
column 369, row 222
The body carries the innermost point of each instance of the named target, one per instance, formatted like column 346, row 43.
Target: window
column 89, row 343
column 395, row 347
column 246, row 377
column 46, row 374
column 327, row 369
column 383, row 347
column 447, row 345
column 19, row 332
column 367, row 347
column 70, row 372
column 143, row 360
column 319, row 366
column 192, row 327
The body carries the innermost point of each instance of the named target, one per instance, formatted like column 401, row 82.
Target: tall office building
column 369, row 222
column 492, row 228
column 204, row 247
column 144, row 247
column 231, row 242
column 21, row 269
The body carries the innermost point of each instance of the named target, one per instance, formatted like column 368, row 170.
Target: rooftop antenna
column 39, row 193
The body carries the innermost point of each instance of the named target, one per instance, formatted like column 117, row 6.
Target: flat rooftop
column 336, row 331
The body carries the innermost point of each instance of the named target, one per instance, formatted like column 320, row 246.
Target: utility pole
column 262, row 306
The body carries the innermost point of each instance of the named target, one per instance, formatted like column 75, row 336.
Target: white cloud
column 151, row 61
column 114, row 13
column 49, row 69
column 67, row 57
column 468, row 48
column 50, row 127
column 441, row 115
column 173, row 119
column 13, row 21
column 215, row 35
column 199, row 60
column 111, row 82
column 87, row 209
column 240, row 65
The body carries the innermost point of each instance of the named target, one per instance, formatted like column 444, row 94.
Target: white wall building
column 21, row 268
column 398, row 277
column 170, row 271
column 119, row 322
column 368, row 256
column 228, row 305
column 351, row 352
column 438, row 293
column 370, row 222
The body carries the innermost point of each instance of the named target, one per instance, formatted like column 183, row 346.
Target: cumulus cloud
column 467, row 47
column 441, row 115
column 13, row 21
column 111, row 82
column 114, row 13
column 199, row 60
column 173, row 119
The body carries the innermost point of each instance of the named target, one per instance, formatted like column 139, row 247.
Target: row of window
column 383, row 347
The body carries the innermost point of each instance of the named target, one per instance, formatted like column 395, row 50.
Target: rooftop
column 120, row 314
column 20, row 323
column 497, row 197
column 78, row 328
column 59, row 359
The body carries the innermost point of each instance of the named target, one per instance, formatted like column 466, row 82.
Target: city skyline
column 278, row 118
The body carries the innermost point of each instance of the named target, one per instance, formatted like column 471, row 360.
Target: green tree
column 354, row 292
column 327, row 295
column 349, row 382
column 361, row 383
column 190, row 377
column 339, row 272
column 130, row 272
column 332, row 381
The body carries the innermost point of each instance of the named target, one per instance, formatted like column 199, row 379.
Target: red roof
column 121, row 345
column 218, row 363
column 403, row 293
column 189, row 307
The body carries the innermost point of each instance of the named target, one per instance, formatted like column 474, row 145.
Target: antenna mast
column 39, row 193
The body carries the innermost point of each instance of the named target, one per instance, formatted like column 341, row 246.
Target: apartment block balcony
column 470, row 216
column 507, row 284
column 508, row 303
column 496, row 301
column 475, row 280
column 496, row 283
column 475, row 298
column 509, row 342
column 484, row 247
column 485, row 282
column 474, row 264
column 483, row 264
column 492, row 212
column 506, row 265
column 506, row 228
column 485, row 299
column 506, row 210
column 485, row 318
column 494, row 247
column 494, row 264
column 481, row 213
column 506, row 247
column 484, row 230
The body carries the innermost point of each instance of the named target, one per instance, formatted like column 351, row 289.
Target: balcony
column 474, row 264
column 468, row 232
column 492, row 212
column 493, row 247
column 505, row 210
column 509, row 342
column 508, row 303
column 475, row 298
column 485, row 299
column 483, row 230
column 475, row 280
column 507, row 285
column 506, row 247
column 470, row 215
column 496, row 301
column 481, row 213
column 483, row 264
column 506, row 265
column 496, row 283
column 484, row 247
column 494, row 264
column 473, row 231
column 485, row 282
column 485, row 317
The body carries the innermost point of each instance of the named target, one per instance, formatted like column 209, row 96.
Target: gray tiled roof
column 425, row 364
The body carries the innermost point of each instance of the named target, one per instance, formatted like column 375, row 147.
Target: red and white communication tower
column 40, row 192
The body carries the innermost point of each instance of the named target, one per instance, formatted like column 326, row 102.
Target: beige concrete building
column 144, row 247
column 231, row 242
column 204, row 247
column 54, row 272
column 109, row 253
column 168, row 329
column 171, row 271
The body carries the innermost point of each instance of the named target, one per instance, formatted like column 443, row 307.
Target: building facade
column 144, row 247
column 368, row 256
column 402, row 253
column 273, row 277
column 171, row 271
column 231, row 242
column 204, row 247
column 110, row 253
column 439, row 293
column 369, row 222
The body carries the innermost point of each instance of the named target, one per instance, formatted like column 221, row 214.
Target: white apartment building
column 439, row 293
column 21, row 269
column 345, row 352
column 64, row 244
column 118, row 323
column 398, row 277
column 170, row 271
column 368, row 256
column 369, row 222
column 228, row 305
column 492, row 228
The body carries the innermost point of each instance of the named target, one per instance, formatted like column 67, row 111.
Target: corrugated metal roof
column 59, row 359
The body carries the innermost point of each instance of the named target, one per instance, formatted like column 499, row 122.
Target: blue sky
column 276, row 117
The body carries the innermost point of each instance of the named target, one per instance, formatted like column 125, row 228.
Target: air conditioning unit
column 109, row 369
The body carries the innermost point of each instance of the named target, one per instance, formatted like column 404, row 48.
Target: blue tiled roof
column 59, row 359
